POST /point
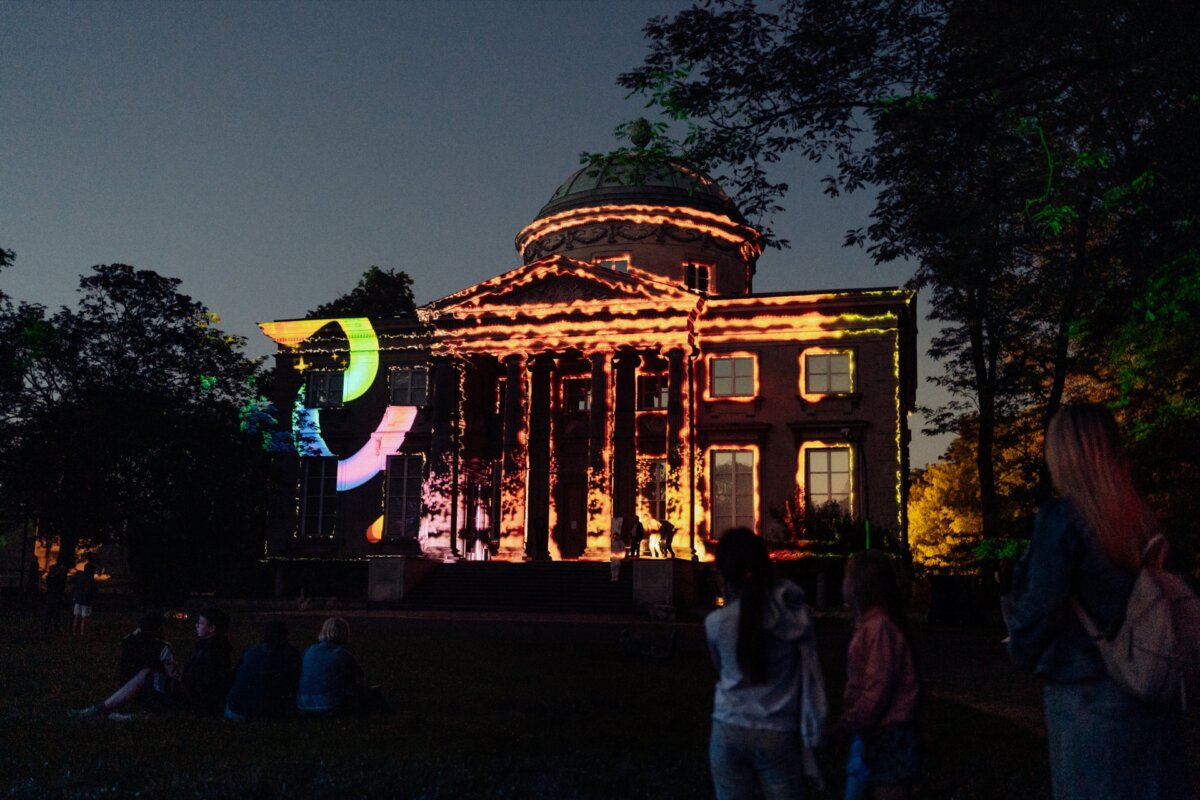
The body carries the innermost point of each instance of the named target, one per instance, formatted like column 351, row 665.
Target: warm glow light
column 801, row 477
column 708, row 496
column 820, row 351
column 632, row 310
column 599, row 502
column 900, row 421
column 719, row 226
column 706, row 392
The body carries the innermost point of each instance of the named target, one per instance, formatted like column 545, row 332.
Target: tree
column 379, row 293
column 127, row 429
column 1033, row 166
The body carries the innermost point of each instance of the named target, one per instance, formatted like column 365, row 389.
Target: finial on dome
column 640, row 133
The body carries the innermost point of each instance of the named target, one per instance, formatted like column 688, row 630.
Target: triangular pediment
column 560, row 281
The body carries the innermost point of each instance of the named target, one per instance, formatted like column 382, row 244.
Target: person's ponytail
column 745, row 567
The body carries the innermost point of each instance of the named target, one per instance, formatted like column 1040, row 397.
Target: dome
column 649, row 213
column 658, row 183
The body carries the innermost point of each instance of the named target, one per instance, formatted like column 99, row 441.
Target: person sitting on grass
column 206, row 676
column 264, row 686
column 330, row 675
column 148, row 675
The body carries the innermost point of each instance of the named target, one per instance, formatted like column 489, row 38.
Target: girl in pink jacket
column 879, row 708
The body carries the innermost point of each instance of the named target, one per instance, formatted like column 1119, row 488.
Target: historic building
column 625, row 369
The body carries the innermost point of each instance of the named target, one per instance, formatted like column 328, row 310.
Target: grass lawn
column 482, row 709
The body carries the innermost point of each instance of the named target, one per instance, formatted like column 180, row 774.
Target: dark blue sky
column 268, row 153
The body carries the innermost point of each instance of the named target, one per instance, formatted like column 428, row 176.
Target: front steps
column 536, row 586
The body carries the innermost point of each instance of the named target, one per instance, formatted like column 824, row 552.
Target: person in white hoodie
column 769, row 705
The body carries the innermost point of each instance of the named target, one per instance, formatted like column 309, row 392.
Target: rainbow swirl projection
column 363, row 362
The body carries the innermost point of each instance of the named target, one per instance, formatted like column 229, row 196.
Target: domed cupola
column 653, row 214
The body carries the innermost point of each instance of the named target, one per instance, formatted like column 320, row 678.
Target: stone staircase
column 539, row 586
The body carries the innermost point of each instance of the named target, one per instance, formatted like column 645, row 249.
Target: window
column 695, row 277
column 318, row 497
column 576, row 394
column 324, row 390
column 617, row 263
column 652, row 392
column 402, row 498
column 409, row 386
column 827, row 373
column 656, row 489
column 827, row 477
column 731, row 377
column 732, row 490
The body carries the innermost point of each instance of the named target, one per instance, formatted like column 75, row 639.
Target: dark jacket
column 328, row 679
column 265, row 683
column 83, row 589
column 206, row 675
column 1064, row 561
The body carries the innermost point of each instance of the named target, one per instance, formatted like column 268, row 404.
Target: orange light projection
column 599, row 499
column 726, row 488
column 802, row 460
column 816, row 396
column 718, row 226
column 375, row 531
column 726, row 377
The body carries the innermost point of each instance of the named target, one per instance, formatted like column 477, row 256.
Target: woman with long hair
column 1087, row 547
column 769, row 704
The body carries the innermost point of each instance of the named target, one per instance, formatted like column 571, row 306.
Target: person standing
column 636, row 534
column 769, row 702
column 83, row 593
column 56, row 593
column 666, row 533
column 616, row 550
column 879, row 706
column 1087, row 547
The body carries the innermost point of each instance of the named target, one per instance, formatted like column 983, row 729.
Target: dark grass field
column 483, row 708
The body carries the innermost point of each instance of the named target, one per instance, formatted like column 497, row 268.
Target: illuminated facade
column 625, row 368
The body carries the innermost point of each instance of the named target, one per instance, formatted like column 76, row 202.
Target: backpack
column 1155, row 652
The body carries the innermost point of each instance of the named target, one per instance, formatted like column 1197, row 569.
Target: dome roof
column 658, row 182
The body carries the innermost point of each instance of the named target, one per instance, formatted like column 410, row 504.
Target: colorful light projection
column 363, row 362
column 306, row 429
column 371, row 459
column 362, row 366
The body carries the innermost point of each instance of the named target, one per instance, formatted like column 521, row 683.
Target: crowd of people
column 1068, row 592
column 271, row 681
column 769, row 705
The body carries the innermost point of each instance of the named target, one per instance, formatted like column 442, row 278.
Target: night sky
column 268, row 153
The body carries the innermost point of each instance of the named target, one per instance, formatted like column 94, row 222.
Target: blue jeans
column 858, row 776
column 742, row 757
column 1105, row 745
